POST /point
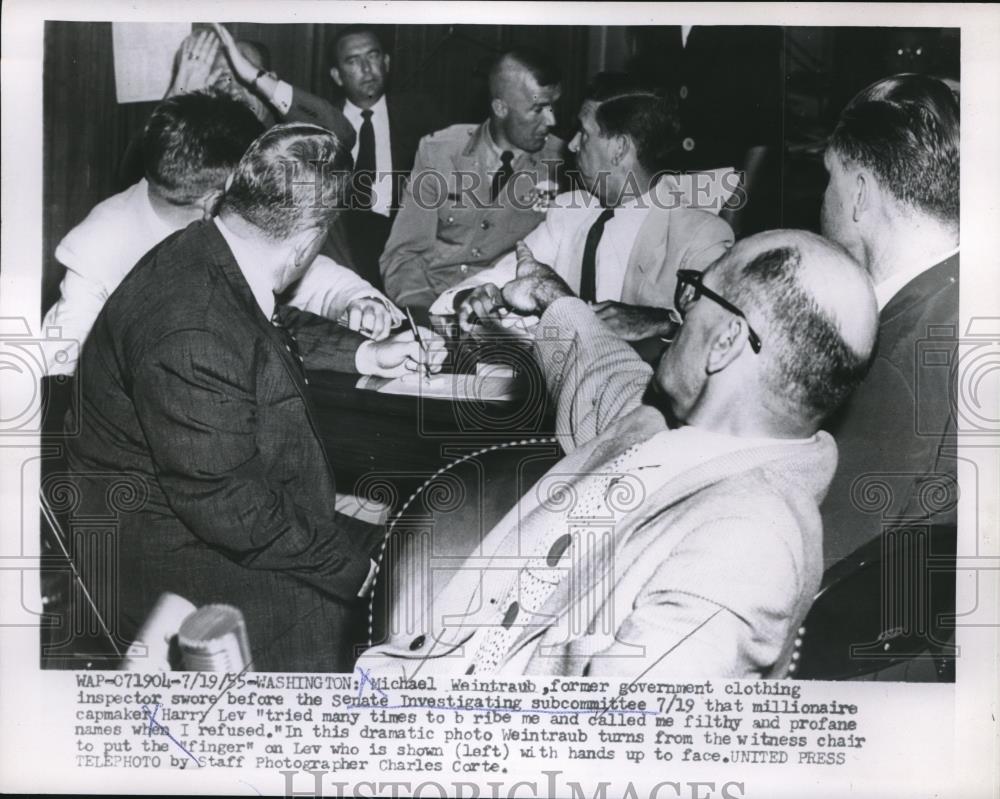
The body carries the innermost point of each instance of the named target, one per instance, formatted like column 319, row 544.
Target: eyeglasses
column 690, row 288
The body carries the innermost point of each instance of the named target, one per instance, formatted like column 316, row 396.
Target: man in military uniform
column 474, row 191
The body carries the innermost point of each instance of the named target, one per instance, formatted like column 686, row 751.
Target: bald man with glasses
column 676, row 540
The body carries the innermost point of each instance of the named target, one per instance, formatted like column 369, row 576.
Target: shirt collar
column 495, row 148
column 895, row 283
column 351, row 111
column 255, row 268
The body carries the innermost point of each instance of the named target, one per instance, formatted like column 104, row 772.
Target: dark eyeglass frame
column 694, row 278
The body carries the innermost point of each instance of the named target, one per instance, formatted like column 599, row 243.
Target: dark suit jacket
column 186, row 386
column 896, row 433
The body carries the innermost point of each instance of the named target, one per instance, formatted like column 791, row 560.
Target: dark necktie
column 501, row 176
column 291, row 344
column 588, row 274
column 364, row 167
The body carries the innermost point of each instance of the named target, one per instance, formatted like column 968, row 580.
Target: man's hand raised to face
column 636, row 322
column 536, row 287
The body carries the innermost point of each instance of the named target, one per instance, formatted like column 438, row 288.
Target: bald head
column 813, row 309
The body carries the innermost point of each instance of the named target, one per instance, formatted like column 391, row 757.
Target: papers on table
column 490, row 383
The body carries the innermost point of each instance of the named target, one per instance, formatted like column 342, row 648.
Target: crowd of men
column 274, row 231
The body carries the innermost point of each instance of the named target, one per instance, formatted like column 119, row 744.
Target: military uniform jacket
column 447, row 228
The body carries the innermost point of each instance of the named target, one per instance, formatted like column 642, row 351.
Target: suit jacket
column 447, row 228
column 896, row 433
column 187, row 388
column 736, row 540
column 668, row 238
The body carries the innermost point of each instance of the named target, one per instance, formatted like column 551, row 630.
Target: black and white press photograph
column 591, row 355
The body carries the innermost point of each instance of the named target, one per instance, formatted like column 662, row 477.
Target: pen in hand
column 420, row 341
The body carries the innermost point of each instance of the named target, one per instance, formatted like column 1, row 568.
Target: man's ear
column 335, row 74
column 727, row 346
column 304, row 246
column 499, row 108
column 864, row 185
column 209, row 202
column 385, row 63
column 620, row 147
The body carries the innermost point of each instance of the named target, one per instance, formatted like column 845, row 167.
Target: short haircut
column 293, row 178
column 536, row 63
column 811, row 369
column 355, row 29
column 905, row 129
column 192, row 142
column 648, row 116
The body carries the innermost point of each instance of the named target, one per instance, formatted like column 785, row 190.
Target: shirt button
column 476, row 252
column 688, row 144
column 416, row 643
column 683, row 92
column 485, row 224
column 288, row 347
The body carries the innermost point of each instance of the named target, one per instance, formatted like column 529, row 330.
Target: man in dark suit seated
column 193, row 383
column 893, row 202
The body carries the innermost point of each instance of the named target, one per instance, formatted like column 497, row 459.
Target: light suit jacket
column 710, row 575
column 670, row 236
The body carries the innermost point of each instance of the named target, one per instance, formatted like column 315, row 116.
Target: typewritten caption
column 361, row 722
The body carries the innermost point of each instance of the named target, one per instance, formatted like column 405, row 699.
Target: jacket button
column 683, row 92
column 688, row 144
column 476, row 252
column 485, row 224
column 451, row 219
column 464, row 268
column 416, row 643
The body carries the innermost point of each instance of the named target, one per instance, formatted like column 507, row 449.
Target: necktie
column 364, row 167
column 502, row 175
column 588, row 273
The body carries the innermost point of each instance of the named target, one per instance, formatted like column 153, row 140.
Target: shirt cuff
column 282, row 97
column 364, row 358
column 372, row 293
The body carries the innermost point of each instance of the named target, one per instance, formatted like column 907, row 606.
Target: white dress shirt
column 895, row 283
column 560, row 241
column 382, row 186
column 98, row 254
column 256, row 268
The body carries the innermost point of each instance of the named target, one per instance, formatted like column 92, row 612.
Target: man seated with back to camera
column 893, row 202
column 620, row 241
column 190, row 145
column 682, row 542
column 193, row 383
column 471, row 194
